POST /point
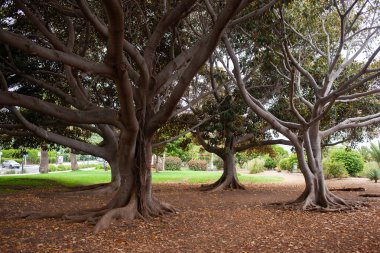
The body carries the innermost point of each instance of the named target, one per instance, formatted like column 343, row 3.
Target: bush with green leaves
column 52, row 167
column 100, row 166
column 63, row 167
column 13, row 159
column 352, row 160
column 334, row 169
column 270, row 163
column 218, row 163
column 288, row 163
column 197, row 165
column 371, row 170
column 256, row 165
column 172, row 163
column 374, row 174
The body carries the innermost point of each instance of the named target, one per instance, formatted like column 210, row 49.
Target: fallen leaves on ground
column 230, row 221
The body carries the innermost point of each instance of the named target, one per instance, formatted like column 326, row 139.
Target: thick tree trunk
column 316, row 195
column 133, row 198
column 73, row 161
column 44, row 161
column 229, row 179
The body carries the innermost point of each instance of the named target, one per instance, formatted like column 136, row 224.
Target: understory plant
column 334, row 169
column 352, row 160
column 172, row 163
column 256, row 165
column 198, row 165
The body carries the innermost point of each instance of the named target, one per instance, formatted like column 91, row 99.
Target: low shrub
column 14, row 159
column 9, row 172
column 200, row 165
column 352, row 160
column 269, row 163
column 100, row 166
column 218, row 163
column 172, row 163
column 288, row 163
column 256, row 165
column 333, row 169
column 374, row 174
column 368, row 166
column 52, row 167
column 86, row 166
column 62, row 167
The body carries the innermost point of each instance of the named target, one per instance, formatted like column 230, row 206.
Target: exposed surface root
column 370, row 195
column 354, row 189
column 103, row 217
column 104, row 189
column 334, row 204
column 223, row 184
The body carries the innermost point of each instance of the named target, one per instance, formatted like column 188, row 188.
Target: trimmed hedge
column 172, row 163
column 198, row 165
column 3, row 159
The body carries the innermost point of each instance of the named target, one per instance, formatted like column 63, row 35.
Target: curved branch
column 71, row 59
column 93, row 116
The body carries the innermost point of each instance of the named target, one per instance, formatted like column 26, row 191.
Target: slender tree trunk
column 229, row 179
column 73, row 161
column 44, row 162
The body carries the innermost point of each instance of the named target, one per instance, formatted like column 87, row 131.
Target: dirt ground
column 230, row 221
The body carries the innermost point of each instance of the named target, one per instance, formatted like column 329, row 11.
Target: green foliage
column 33, row 156
column 52, row 167
column 334, row 169
column 374, row 151
column 62, row 167
column 244, row 157
column 288, row 163
column 182, row 148
column 269, row 163
column 374, row 174
column 371, row 170
column 368, row 166
column 197, row 165
column 101, row 167
column 11, row 153
column 172, row 163
column 218, row 163
column 14, row 159
column 256, row 165
column 279, row 153
column 79, row 178
column 352, row 160
column 364, row 151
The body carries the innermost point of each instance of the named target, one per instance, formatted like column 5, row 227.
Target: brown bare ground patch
column 230, row 221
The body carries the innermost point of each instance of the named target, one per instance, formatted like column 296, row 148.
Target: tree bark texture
column 229, row 179
column 73, row 161
column 44, row 162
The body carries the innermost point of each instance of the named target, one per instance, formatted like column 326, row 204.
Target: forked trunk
column 316, row 195
column 229, row 179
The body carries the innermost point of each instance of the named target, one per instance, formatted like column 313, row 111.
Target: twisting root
column 224, row 183
column 99, row 189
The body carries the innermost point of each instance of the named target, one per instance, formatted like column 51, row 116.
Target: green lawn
column 76, row 178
